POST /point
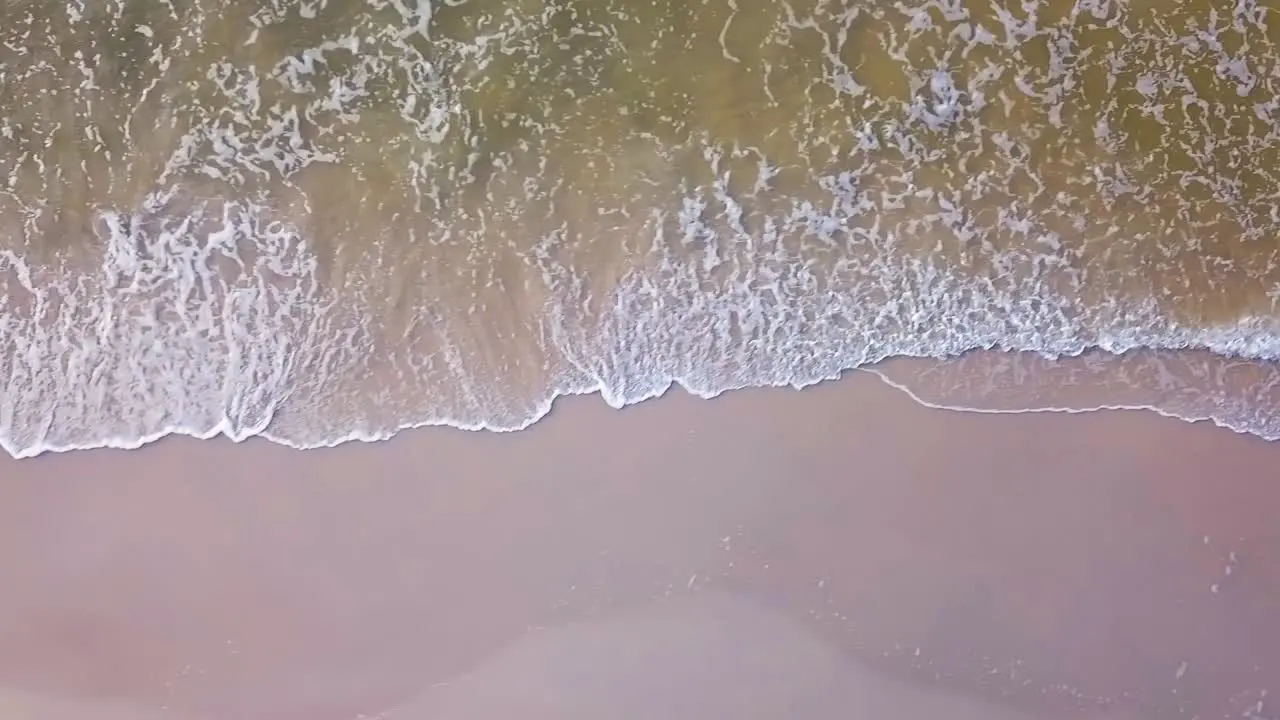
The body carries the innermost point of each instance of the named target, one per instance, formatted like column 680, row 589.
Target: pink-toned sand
column 839, row 552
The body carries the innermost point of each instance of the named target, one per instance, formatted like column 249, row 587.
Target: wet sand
column 832, row 553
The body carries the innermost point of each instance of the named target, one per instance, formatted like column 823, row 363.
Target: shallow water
column 325, row 220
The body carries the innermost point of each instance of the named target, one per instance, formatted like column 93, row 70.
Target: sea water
column 323, row 220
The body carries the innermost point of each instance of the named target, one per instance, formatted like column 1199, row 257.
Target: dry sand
column 835, row 553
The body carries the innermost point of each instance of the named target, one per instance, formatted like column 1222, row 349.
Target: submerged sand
column 831, row 553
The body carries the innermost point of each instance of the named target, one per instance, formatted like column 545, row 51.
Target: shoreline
column 889, row 371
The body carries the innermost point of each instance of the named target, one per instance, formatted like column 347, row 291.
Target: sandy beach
column 831, row 553
column 324, row 221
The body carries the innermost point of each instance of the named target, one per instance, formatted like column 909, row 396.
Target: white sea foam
column 217, row 321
